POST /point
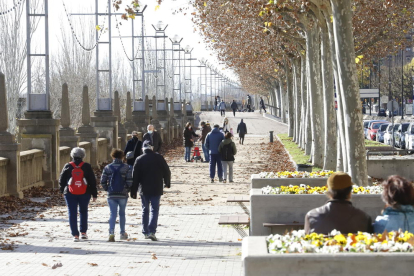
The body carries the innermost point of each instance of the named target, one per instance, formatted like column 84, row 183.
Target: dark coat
column 339, row 215
column 131, row 147
column 155, row 139
column 242, row 129
column 88, row 174
column 150, row 170
column 188, row 135
column 234, row 106
column 262, row 103
column 204, row 131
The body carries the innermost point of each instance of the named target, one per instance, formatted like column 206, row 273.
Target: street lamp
column 160, row 61
column 160, row 26
column 187, row 85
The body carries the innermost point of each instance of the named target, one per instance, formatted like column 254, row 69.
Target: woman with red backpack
column 78, row 184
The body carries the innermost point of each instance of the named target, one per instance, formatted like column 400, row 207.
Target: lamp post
column 176, row 41
column 187, row 81
column 160, row 60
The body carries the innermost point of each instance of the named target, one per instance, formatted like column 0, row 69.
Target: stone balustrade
column 87, row 147
column 64, row 156
column 102, row 152
column 31, row 168
column 3, row 176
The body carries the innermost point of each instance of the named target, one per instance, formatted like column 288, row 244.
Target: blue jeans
column 215, row 160
column 73, row 201
column 187, row 155
column 149, row 224
column 113, row 207
column 206, row 154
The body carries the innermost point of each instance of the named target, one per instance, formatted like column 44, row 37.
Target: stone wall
column 3, row 176
column 32, row 164
column 87, row 147
column 102, row 151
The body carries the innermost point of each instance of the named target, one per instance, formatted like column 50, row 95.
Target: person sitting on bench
column 338, row 213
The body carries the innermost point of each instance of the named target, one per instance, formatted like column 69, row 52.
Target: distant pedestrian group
column 145, row 173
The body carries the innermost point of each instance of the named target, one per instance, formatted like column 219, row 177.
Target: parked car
column 400, row 137
column 388, row 135
column 409, row 138
column 381, row 132
column 373, row 129
column 367, row 130
column 388, row 113
column 382, row 112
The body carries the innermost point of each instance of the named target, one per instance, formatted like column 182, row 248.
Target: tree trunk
column 303, row 102
column 282, row 103
column 297, row 108
column 290, row 99
column 308, row 128
column 330, row 149
column 345, row 53
column 313, row 62
column 342, row 156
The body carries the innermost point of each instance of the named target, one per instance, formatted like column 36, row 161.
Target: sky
column 179, row 23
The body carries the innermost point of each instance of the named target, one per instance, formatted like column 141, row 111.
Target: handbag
column 131, row 154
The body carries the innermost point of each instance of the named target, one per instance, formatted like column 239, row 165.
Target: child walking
column 117, row 181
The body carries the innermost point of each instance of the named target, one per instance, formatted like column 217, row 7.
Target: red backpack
column 77, row 183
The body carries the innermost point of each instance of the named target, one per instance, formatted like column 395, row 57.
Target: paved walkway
column 191, row 241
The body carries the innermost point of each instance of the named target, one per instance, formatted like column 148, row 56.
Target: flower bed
column 295, row 174
column 306, row 189
column 265, row 179
column 258, row 261
column 299, row 242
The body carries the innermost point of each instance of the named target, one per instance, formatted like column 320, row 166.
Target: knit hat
column 339, row 181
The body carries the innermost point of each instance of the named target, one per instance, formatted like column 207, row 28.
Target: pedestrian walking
column 215, row 103
column 133, row 149
column 116, row 180
column 150, row 173
column 154, row 137
column 222, row 106
column 78, row 184
column 262, row 105
column 188, row 137
column 227, row 150
column 234, row 107
column 212, row 143
column 241, row 130
column 226, row 125
column 205, row 129
column 249, row 103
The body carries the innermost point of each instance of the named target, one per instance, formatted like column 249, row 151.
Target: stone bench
column 280, row 209
column 237, row 222
column 257, row 182
column 258, row 261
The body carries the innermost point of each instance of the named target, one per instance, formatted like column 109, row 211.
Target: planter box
column 257, row 261
column 258, row 183
column 293, row 208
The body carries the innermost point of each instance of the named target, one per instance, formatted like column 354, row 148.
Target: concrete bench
column 237, row 222
column 240, row 199
column 280, row 227
column 385, row 151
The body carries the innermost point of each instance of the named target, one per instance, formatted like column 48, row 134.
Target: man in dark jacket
column 205, row 129
column 154, row 137
column 262, row 105
column 234, row 107
column 133, row 145
column 241, row 130
column 149, row 173
column 212, row 144
column 338, row 213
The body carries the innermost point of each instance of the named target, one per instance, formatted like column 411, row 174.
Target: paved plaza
column 190, row 240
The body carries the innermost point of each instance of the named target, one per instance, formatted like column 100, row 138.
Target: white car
column 409, row 138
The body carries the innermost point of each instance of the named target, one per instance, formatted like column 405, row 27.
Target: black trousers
column 223, row 112
column 234, row 112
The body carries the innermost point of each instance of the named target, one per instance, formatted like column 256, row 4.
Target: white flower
column 335, row 232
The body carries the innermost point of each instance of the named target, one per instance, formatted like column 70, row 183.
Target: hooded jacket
column 213, row 141
column 226, row 142
column 88, row 174
column 234, row 105
column 222, row 106
column 204, row 131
